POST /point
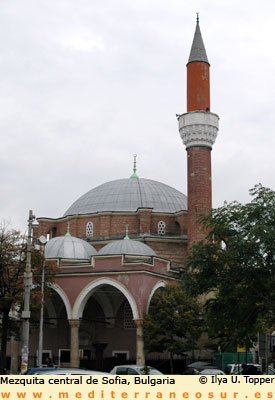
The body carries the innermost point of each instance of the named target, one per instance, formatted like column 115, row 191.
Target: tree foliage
column 12, row 266
column 236, row 268
column 173, row 323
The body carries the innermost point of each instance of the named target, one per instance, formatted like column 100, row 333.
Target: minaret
column 198, row 129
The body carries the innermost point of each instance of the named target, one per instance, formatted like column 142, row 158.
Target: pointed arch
column 51, row 312
column 64, row 297
column 158, row 285
column 86, row 293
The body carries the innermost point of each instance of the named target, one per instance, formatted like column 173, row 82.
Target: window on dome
column 161, row 228
column 89, row 229
column 128, row 317
column 52, row 233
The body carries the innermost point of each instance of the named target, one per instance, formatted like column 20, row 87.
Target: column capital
column 139, row 322
column 74, row 323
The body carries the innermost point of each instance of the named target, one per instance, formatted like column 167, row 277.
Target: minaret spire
column 68, row 229
column 134, row 175
column 198, row 76
column 198, row 52
column 126, row 237
column 198, row 129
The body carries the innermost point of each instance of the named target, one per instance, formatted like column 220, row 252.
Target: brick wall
column 145, row 221
column 199, row 190
column 198, row 86
column 176, row 252
column 113, row 225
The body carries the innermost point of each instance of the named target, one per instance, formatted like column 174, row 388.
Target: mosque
column 120, row 242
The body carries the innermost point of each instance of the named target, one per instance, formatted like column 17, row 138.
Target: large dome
column 129, row 195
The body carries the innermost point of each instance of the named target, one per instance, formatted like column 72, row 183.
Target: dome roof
column 130, row 247
column 69, row 247
column 129, row 195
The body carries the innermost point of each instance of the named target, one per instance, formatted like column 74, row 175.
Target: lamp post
column 27, row 291
column 43, row 241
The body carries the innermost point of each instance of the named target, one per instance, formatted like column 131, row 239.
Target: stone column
column 74, row 325
column 140, row 357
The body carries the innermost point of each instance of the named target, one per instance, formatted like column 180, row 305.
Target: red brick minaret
column 198, row 129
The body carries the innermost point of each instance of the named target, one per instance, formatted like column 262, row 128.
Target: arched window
column 89, row 229
column 177, row 228
column 128, row 317
column 161, row 228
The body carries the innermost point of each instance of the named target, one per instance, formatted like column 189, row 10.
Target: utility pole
column 27, row 292
column 42, row 241
column 40, row 342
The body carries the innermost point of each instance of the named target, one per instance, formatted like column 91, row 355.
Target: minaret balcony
column 198, row 128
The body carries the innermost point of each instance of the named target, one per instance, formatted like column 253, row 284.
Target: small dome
column 129, row 195
column 129, row 247
column 69, row 247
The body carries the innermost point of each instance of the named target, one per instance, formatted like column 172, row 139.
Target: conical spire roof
column 198, row 52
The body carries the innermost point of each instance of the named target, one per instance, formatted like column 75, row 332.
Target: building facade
column 126, row 239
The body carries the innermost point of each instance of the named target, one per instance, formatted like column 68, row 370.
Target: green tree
column 235, row 267
column 12, row 267
column 173, row 323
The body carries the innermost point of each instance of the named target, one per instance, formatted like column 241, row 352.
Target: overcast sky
column 85, row 84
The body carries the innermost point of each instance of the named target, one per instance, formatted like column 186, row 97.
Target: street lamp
column 27, row 291
column 43, row 241
column 26, row 314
